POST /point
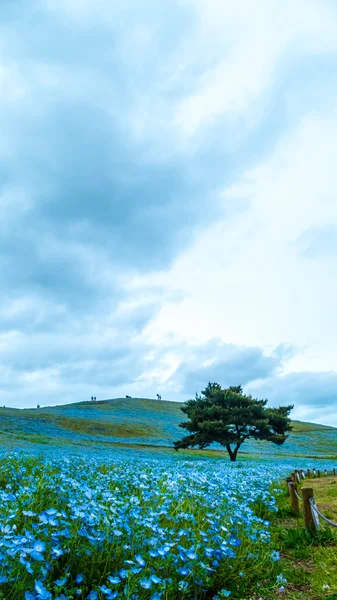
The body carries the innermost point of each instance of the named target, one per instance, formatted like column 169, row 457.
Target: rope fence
column 311, row 513
column 318, row 512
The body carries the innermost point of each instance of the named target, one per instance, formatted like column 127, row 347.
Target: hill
column 136, row 423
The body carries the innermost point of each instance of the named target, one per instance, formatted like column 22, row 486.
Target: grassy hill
column 137, row 423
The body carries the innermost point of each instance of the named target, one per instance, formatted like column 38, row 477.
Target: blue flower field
column 103, row 528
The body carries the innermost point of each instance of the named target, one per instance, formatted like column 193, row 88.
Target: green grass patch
column 308, row 562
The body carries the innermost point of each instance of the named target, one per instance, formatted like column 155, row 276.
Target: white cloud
column 243, row 42
column 245, row 281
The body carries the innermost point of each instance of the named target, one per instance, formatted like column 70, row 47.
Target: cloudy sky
column 168, row 200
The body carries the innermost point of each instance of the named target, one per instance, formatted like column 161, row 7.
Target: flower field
column 85, row 527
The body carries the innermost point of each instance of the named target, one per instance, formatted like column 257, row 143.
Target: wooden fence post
column 294, row 504
column 310, row 519
column 334, row 471
column 308, row 473
column 288, row 480
column 318, row 473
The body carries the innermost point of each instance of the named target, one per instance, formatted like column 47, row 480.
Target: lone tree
column 229, row 417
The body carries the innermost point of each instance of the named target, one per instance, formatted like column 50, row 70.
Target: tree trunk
column 232, row 453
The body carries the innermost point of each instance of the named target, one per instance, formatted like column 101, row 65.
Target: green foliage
column 229, row 417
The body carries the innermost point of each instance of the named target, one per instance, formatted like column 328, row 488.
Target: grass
column 308, row 562
column 99, row 428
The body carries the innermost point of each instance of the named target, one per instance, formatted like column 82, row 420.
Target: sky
column 168, row 200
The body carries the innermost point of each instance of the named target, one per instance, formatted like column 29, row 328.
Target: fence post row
column 311, row 513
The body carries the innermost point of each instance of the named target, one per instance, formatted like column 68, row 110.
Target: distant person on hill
column 158, row 397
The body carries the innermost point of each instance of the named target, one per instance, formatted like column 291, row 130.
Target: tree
column 229, row 417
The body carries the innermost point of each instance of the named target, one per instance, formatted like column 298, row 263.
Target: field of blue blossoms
column 99, row 529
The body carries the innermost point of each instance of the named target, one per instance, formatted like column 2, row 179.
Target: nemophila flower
column 156, row 596
column 60, row 582
column 183, row 572
column 29, row 596
column 57, row 552
column 275, row 556
column 104, row 589
column 234, row 541
column 146, row 583
column 93, row 595
column 79, row 578
column 42, row 592
column 281, row 579
column 123, row 574
column 183, row 585
column 155, row 579
column 114, row 580
column 136, row 570
column 140, row 560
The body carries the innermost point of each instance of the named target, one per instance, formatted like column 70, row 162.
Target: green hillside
column 137, row 423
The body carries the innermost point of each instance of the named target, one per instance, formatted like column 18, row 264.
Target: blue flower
column 123, row 574
column 183, row 585
column 104, row 589
column 146, row 583
column 42, row 592
column 60, row 582
column 114, row 580
column 39, row 546
column 140, row 560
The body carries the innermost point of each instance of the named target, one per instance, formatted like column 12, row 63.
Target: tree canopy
column 229, row 417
